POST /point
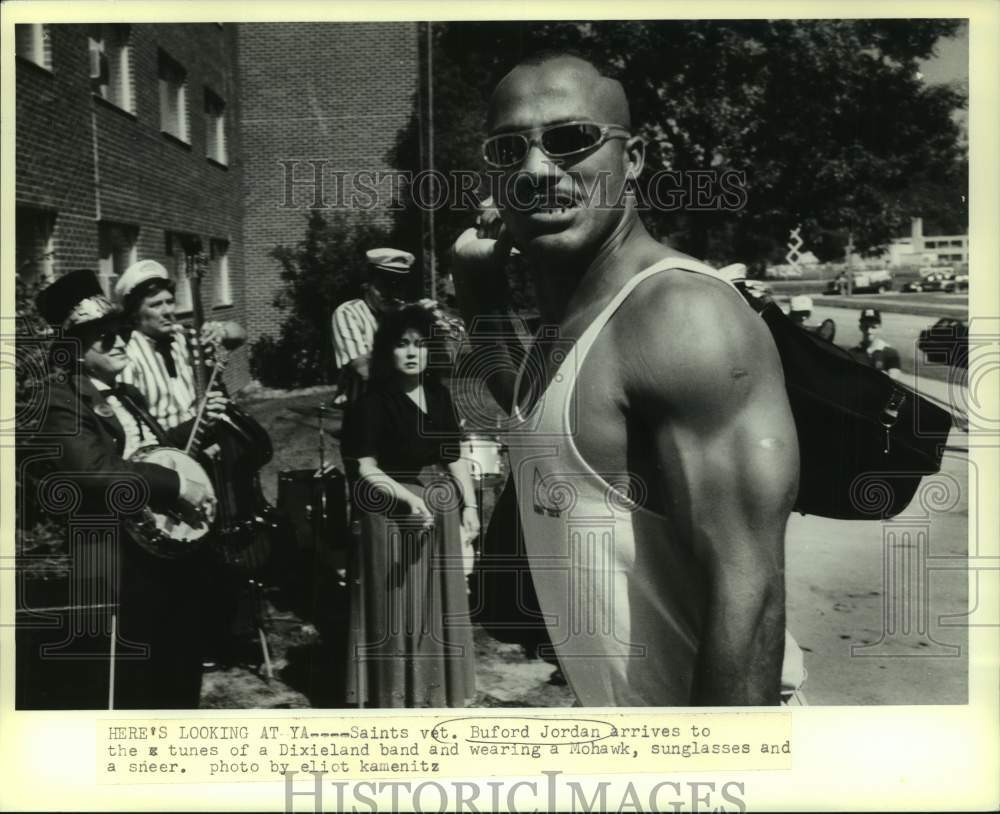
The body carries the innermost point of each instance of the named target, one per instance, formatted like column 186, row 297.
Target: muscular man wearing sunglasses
column 652, row 449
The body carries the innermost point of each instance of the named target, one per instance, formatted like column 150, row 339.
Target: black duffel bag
column 865, row 440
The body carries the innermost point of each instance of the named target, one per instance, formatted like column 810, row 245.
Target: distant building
column 927, row 250
column 169, row 141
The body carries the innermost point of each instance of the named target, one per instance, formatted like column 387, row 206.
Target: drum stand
column 355, row 584
column 256, row 592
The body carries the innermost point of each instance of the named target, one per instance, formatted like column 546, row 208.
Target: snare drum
column 486, row 454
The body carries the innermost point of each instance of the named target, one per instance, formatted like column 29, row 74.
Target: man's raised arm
column 483, row 296
column 727, row 448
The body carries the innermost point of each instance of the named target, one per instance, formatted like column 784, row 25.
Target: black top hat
column 76, row 301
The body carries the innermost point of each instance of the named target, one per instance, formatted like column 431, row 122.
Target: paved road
column 866, row 603
column 932, row 304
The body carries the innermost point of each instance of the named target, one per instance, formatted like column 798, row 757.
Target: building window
column 219, row 258
column 116, row 252
column 34, row 252
column 182, row 249
column 31, row 42
column 215, row 127
column 111, row 65
column 173, row 98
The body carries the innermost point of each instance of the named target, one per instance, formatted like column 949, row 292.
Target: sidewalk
column 895, row 304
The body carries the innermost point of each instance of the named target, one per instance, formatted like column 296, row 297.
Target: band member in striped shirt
column 159, row 361
column 355, row 321
column 160, row 368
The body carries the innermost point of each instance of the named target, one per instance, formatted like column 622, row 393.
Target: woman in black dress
column 414, row 497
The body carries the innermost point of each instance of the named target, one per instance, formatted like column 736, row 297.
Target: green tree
column 319, row 273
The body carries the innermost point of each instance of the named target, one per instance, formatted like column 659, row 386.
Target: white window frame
column 216, row 147
column 172, row 86
column 111, row 65
column 121, row 239
column 31, row 42
column 178, row 253
column 222, row 286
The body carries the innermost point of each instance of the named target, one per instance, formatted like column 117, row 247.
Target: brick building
column 316, row 99
column 127, row 147
column 166, row 141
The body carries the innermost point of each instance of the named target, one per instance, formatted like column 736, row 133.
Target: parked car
column 865, row 282
column 958, row 282
column 942, row 280
column 933, row 281
column 946, row 342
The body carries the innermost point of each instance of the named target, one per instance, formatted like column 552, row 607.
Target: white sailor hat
column 800, row 302
column 137, row 274
column 393, row 260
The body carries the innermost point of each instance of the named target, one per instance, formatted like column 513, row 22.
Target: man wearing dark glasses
column 96, row 423
column 652, row 448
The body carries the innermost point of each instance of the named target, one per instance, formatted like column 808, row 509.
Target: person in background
column 800, row 310
column 416, row 641
column 355, row 322
column 873, row 350
column 160, row 359
column 161, row 368
column 99, row 423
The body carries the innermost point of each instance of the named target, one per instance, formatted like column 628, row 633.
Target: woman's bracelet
column 471, row 506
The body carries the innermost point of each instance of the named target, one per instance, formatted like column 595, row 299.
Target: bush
column 319, row 273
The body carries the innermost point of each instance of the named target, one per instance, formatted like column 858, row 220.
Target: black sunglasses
column 557, row 141
column 108, row 337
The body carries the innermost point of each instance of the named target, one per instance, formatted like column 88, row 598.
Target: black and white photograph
column 552, row 363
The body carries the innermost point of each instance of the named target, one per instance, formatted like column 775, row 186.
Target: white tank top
column 625, row 620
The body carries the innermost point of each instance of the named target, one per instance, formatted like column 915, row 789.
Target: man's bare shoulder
column 687, row 332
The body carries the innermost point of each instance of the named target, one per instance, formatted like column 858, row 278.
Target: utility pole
column 430, row 150
column 850, row 263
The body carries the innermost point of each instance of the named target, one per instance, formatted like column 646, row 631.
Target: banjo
column 175, row 534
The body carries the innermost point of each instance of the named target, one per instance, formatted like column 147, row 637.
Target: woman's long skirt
column 411, row 642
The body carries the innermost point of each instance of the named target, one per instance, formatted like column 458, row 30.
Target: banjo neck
column 204, row 380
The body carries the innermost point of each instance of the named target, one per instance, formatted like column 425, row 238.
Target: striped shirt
column 171, row 399
column 354, row 326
